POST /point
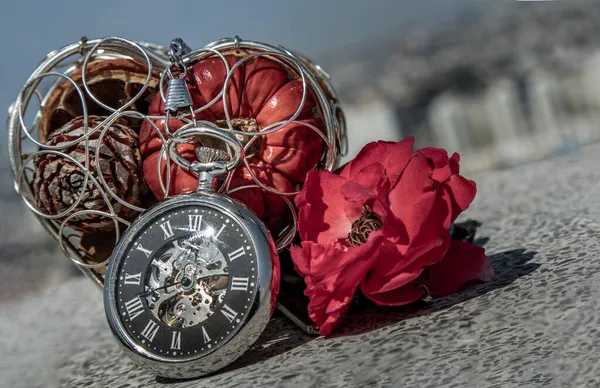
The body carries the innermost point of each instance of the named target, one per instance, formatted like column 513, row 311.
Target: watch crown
column 211, row 163
column 211, row 155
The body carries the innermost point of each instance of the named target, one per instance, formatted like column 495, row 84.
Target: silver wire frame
column 62, row 63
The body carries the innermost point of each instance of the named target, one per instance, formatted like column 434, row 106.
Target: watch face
column 185, row 282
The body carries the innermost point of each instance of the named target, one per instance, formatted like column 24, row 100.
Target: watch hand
column 162, row 298
column 192, row 245
column 175, row 255
column 198, row 249
column 146, row 293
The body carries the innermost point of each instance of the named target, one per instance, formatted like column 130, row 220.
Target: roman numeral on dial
column 176, row 340
column 237, row 253
column 133, row 279
column 150, row 330
column 167, row 229
column 229, row 313
column 134, row 307
column 147, row 252
column 239, row 284
column 219, row 232
column 205, row 335
column 195, row 221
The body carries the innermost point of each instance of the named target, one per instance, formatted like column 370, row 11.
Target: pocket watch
column 190, row 286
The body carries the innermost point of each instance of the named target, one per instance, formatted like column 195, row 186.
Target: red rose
column 380, row 224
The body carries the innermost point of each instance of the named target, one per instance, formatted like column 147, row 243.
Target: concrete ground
column 536, row 324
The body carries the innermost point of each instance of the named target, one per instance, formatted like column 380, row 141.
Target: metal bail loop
column 178, row 96
column 177, row 49
column 211, row 162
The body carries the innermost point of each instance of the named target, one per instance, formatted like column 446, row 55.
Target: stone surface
column 534, row 325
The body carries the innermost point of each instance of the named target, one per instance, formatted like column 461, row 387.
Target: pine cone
column 57, row 181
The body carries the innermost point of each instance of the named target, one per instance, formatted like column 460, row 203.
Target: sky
column 31, row 29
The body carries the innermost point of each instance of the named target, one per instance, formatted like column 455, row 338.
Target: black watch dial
column 186, row 282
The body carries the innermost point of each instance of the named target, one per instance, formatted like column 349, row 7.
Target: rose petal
column 394, row 287
column 407, row 294
column 357, row 198
column 373, row 178
column 464, row 262
column 416, row 235
column 458, row 193
column 454, row 163
column 332, row 274
column 427, row 248
column 392, row 155
column 413, row 197
column 443, row 167
column 321, row 214
column 462, row 192
column 438, row 156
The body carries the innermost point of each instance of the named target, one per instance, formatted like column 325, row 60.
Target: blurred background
column 502, row 82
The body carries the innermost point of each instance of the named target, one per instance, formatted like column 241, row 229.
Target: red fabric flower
column 382, row 224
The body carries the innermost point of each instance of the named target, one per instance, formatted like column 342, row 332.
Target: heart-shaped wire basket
column 144, row 69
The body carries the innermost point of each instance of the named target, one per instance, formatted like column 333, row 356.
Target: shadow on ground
column 508, row 267
column 281, row 335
